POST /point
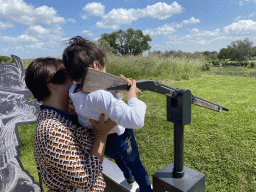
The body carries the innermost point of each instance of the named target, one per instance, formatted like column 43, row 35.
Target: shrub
column 206, row 66
column 237, row 63
column 215, row 62
column 6, row 59
column 244, row 63
column 251, row 65
column 226, row 62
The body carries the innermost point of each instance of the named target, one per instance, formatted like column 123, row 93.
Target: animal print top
column 62, row 151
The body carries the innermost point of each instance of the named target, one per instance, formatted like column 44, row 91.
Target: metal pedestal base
column 164, row 181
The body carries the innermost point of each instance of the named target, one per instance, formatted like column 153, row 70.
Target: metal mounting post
column 179, row 112
column 175, row 176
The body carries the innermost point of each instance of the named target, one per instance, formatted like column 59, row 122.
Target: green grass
column 219, row 145
column 26, row 62
column 234, row 71
column 26, row 133
column 154, row 67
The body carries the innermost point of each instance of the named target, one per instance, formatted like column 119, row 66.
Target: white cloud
column 164, row 30
column 196, row 40
column 160, row 10
column 192, row 20
column 5, row 25
column 118, row 17
column 96, row 9
column 35, row 35
column 196, row 32
column 5, row 49
column 243, row 1
column 251, row 15
column 20, row 12
column 41, row 33
column 72, row 20
column 243, row 27
column 23, row 39
column 96, row 39
column 38, row 31
column 122, row 16
column 238, row 18
column 6, row 39
column 86, row 32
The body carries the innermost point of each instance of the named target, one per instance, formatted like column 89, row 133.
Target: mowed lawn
column 219, row 145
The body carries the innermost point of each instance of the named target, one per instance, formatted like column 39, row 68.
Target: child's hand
column 133, row 91
column 128, row 81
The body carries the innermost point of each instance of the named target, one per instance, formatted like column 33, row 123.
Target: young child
column 121, row 144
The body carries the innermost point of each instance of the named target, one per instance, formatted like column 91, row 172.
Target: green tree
column 106, row 46
column 158, row 53
column 128, row 42
column 240, row 50
column 223, row 54
column 6, row 59
column 253, row 52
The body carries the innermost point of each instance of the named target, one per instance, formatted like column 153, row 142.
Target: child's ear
column 95, row 65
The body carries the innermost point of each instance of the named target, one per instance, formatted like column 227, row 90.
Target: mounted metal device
column 175, row 176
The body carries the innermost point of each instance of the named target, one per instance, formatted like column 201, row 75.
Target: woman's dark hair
column 42, row 71
column 80, row 54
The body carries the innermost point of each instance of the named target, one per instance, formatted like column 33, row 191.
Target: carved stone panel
column 15, row 109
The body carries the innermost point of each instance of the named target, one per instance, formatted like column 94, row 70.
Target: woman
column 68, row 155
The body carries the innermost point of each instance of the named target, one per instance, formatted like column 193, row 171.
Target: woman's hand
column 133, row 91
column 71, row 108
column 102, row 127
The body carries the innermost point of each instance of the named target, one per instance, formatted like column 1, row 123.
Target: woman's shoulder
column 53, row 119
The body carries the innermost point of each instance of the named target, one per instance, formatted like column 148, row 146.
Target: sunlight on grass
column 219, row 145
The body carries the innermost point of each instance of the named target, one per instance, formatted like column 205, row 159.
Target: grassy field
column 219, row 145
column 234, row 71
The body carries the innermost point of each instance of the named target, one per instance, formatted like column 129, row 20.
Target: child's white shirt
column 92, row 105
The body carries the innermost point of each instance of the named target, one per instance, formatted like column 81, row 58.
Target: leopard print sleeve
column 63, row 151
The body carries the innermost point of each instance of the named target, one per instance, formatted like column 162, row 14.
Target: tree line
column 240, row 50
column 134, row 42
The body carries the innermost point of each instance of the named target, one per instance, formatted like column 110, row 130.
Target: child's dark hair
column 42, row 71
column 80, row 54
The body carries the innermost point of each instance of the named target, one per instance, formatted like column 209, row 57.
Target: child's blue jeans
column 123, row 149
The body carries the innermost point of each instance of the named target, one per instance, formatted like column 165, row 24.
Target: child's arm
column 128, row 116
column 133, row 91
column 119, row 93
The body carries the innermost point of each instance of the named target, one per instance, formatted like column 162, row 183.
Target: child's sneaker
column 130, row 181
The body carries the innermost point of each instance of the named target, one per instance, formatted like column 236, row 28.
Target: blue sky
column 37, row 28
